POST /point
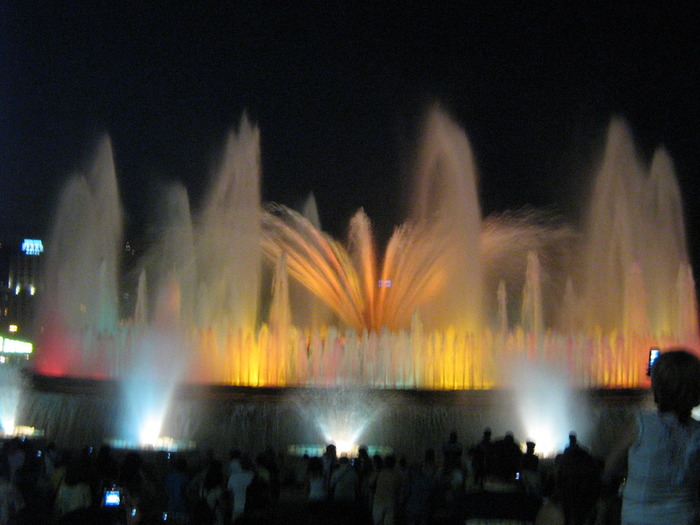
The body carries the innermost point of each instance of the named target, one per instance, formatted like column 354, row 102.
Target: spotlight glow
column 345, row 447
column 149, row 433
column 547, row 408
column 7, row 421
column 343, row 417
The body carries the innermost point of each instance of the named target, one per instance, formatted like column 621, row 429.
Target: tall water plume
column 445, row 201
column 81, row 268
column 634, row 238
column 228, row 237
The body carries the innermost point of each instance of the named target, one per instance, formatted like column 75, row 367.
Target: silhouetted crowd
column 494, row 479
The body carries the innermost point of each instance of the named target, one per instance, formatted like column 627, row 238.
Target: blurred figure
column 421, row 491
column 315, row 484
column 74, row 492
column 386, row 493
column 11, row 501
column 482, row 457
column 507, row 458
column 176, row 483
column 452, row 453
column 344, row 481
column 330, row 462
column 530, row 470
column 238, row 482
column 208, row 501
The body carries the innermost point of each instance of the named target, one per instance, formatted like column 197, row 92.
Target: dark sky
column 337, row 93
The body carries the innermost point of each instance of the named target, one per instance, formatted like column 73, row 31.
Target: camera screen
column 653, row 354
column 112, row 498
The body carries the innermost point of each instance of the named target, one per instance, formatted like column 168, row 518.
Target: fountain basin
column 80, row 412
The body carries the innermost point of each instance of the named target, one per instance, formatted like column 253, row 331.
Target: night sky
column 338, row 93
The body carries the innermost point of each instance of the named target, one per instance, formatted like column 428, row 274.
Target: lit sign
column 32, row 246
column 13, row 346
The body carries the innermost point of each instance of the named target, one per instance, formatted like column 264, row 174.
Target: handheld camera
column 112, row 498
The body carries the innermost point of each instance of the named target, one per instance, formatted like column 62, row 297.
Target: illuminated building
column 22, row 289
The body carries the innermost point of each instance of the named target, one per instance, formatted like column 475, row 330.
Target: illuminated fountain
column 342, row 416
column 452, row 295
column 452, row 298
column 11, row 389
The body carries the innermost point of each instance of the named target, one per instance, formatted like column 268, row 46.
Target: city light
column 32, row 247
column 13, row 346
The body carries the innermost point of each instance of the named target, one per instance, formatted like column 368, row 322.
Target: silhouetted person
column 421, row 491
column 574, row 447
column 316, row 491
column 530, row 460
column 238, row 482
column 452, row 453
column 176, row 489
column 529, row 470
column 208, row 506
column 507, row 458
column 365, row 473
column 74, row 492
column 106, row 470
column 330, row 462
column 386, row 493
column 344, row 482
column 482, row 457
column 11, row 500
column 132, row 479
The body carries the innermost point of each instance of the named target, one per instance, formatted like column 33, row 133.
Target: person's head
column 390, row 461
column 213, row 476
column 453, row 437
column 315, row 466
column 530, row 447
column 180, row 464
column 675, row 382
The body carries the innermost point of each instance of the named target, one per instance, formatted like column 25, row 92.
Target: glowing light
column 8, row 424
column 161, row 443
column 13, row 346
column 149, row 432
column 21, row 430
column 12, row 328
column 547, row 441
column 346, row 447
column 547, row 407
